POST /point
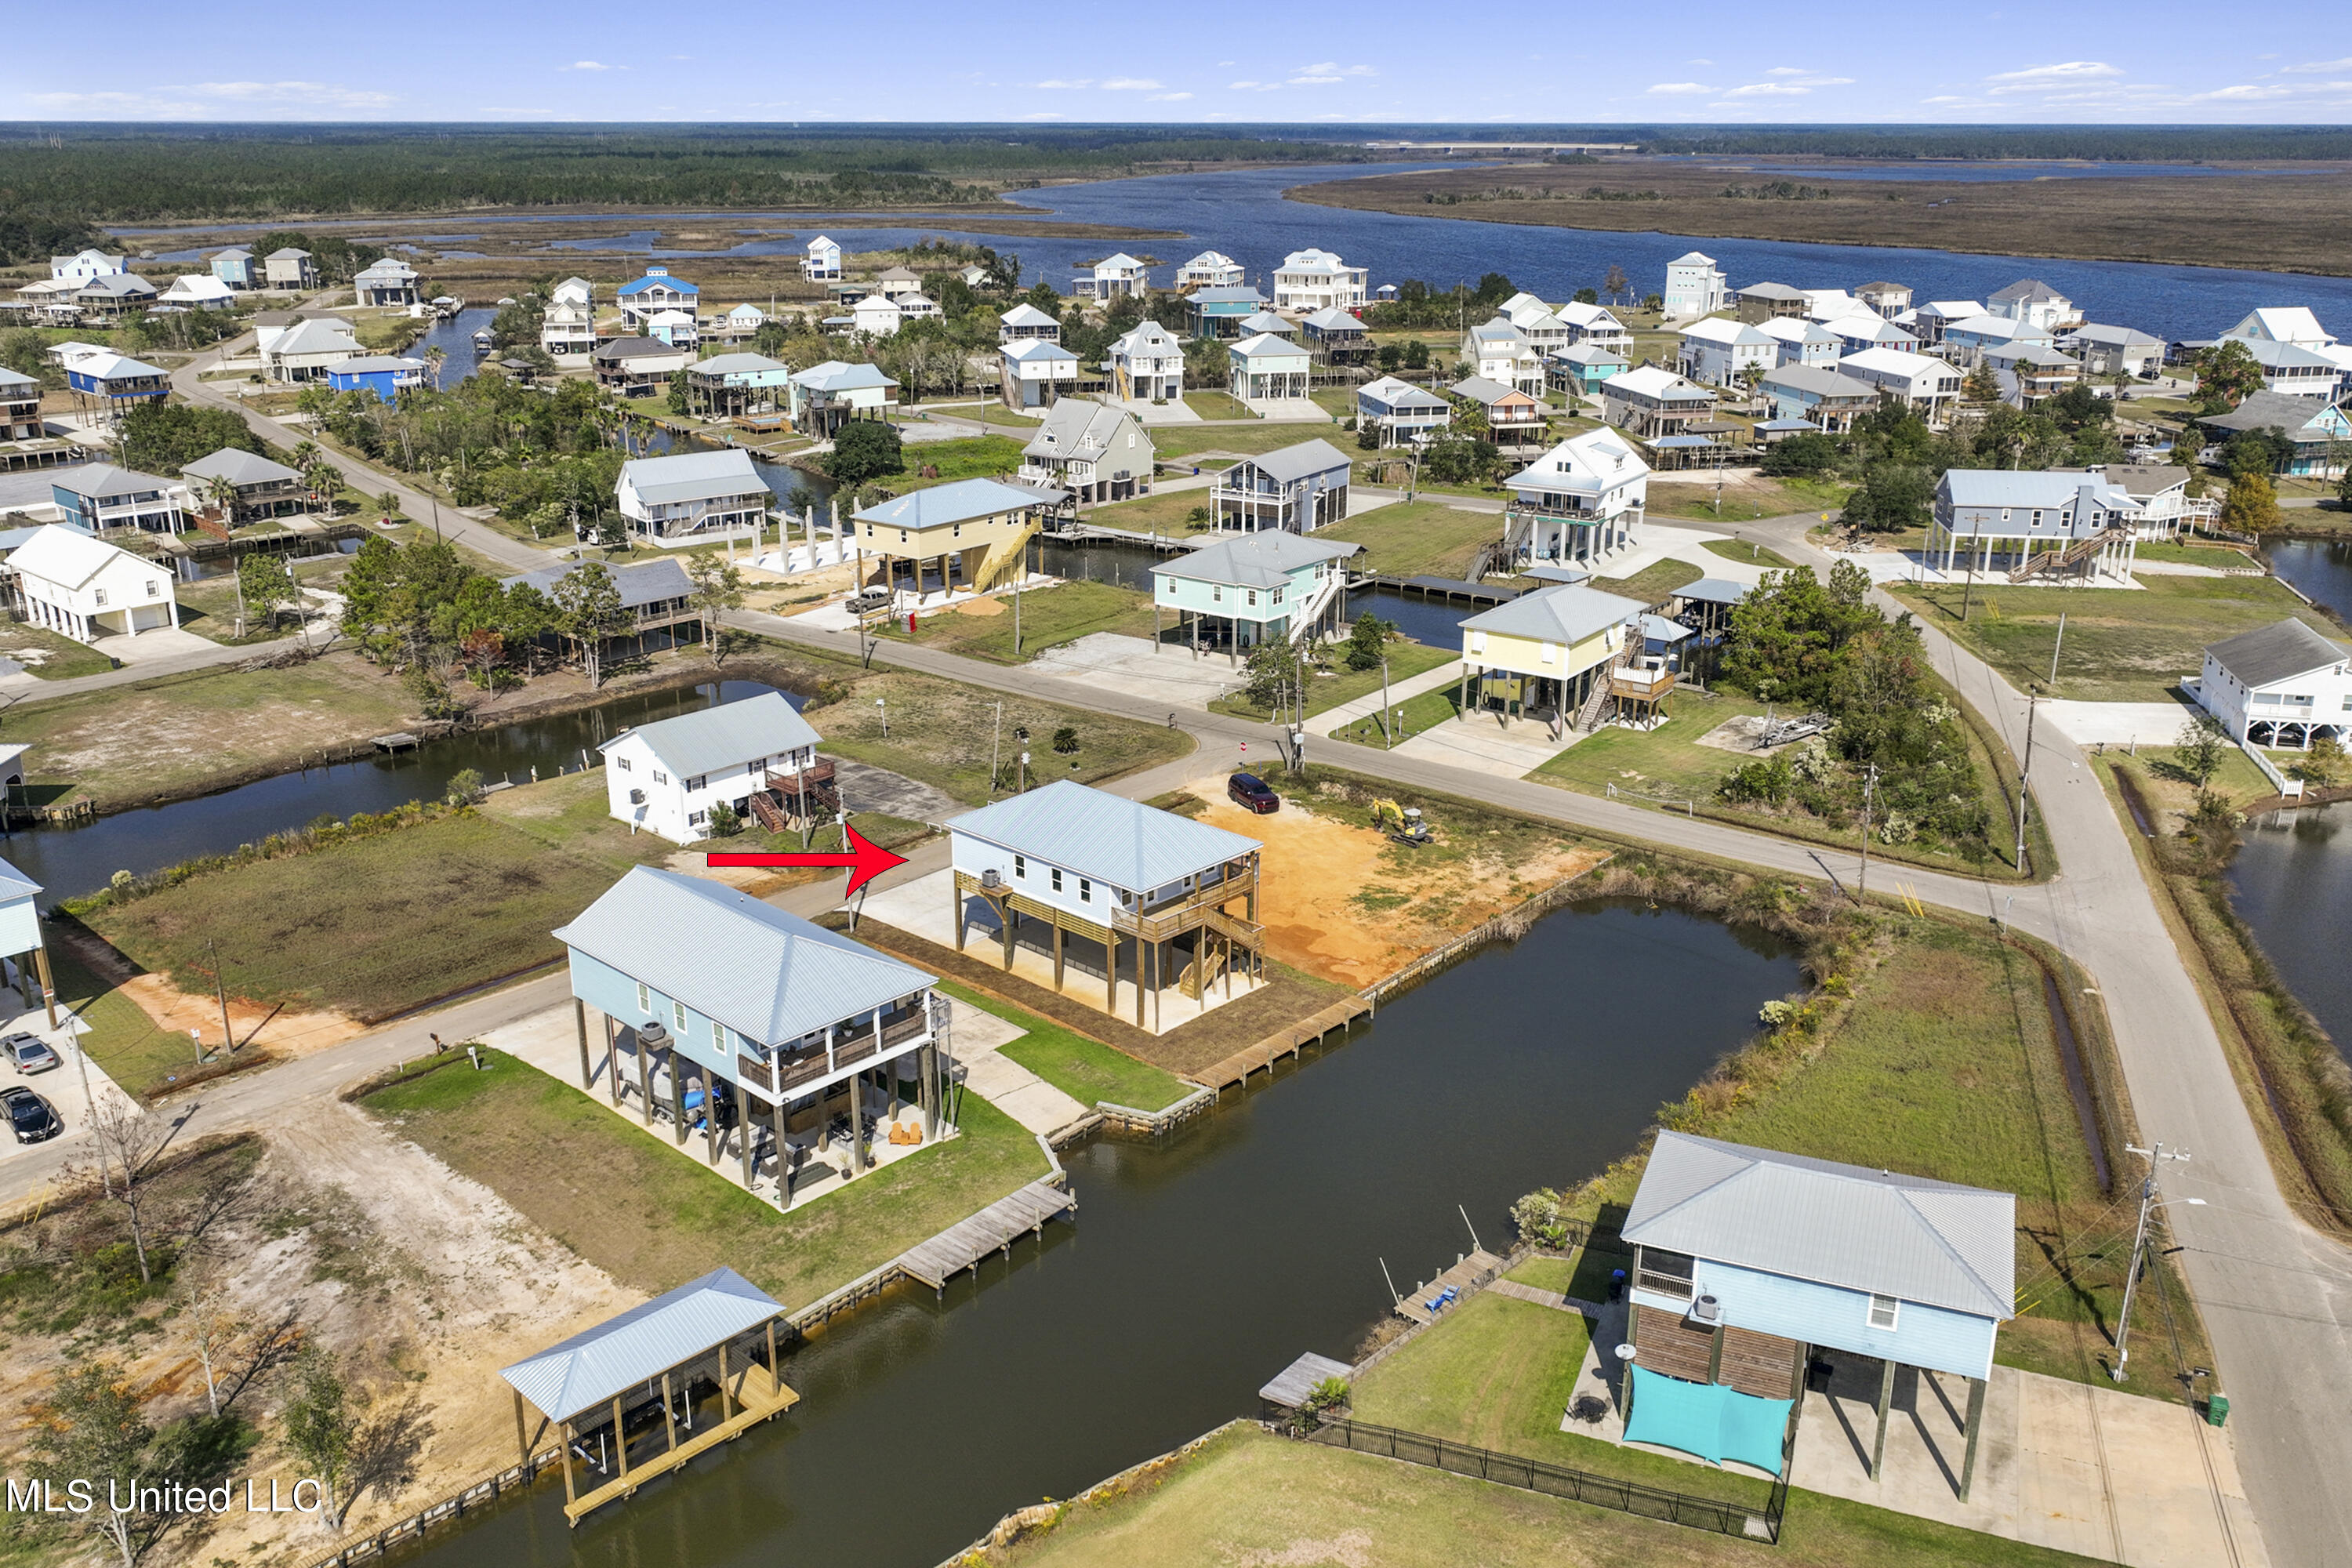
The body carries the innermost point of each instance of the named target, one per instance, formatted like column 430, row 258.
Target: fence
column 375, row 1544
column 1553, row 1480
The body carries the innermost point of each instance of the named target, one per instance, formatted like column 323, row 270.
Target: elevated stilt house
column 1105, row 881
column 974, row 533
column 1746, row 1261
column 739, row 1020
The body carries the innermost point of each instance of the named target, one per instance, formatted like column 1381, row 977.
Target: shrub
column 1539, row 1218
column 1065, row 739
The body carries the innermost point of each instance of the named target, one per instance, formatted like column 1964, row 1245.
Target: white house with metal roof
column 1399, row 412
column 1716, row 350
column 2282, row 324
column 1301, row 488
column 198, row 292
column 302, row 350
column 826, row 396
column 1315, row 279
column 1746, row 1260
column 84, row 265
column 1497, row 350
column 2078, row 518
column 724, row 993
column 2034, row 303
column 1026, row 320
column 2294, row 370
column 2280, row 685
column 822, row 264
column 1802, row 342
column 1927, row 385
column 84, row 587
column 1264, row 368
column 1146, row 365
column 1035, row 373
column 1254, row 588
column 390, row 281
column 1210, row 269
column 1118, row 888
column 1595, row 324
column 877, row 316
column 691, row 496
column 23, row 953
column 643, row 299
column 1112, row 275
column 1929, row 321
column 1548, row 652
column 665, row 777
column 1581, row 502
column 1094, row 451
column 1694, row 285
column 100, row 496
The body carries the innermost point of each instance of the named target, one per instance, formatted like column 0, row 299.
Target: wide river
column 1198, row 1267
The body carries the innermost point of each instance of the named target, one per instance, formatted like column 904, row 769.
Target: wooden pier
column 1449, row 589
column 1235, row 1069
column 752, row 1396
column 1472, row 1271
column 1085, row 533
column 994, row 1229
column 399, row 740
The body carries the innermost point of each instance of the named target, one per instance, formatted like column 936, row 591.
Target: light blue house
column 706, row 993
column 1255, row 588
column 1746, row 1261
column 1400, row 412
column 725, row 385
column 25, row 955
column 234, row 267
column 386, row 375
column 1220, row 312
column 1581, row 368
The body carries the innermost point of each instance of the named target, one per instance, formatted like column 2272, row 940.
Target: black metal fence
column 1553, row 1480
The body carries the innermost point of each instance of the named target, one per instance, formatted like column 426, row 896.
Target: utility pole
column 2148, row 1202
column 2054, row 650
column 1969, row 591
column 1869, row 787
column 1386, row 733
column 1017, row 579
column 220, row 989
column 996, row 744
column 2025, row 775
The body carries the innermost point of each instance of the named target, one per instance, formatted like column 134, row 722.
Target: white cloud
column 1698, row 62
column 1167, row 98
column 1132, row 84
column 1788, row 70
column 1769, row 90
column 2051, row 79
column 1058, row 85
column 1324, row 73
column 2240, row 93
column 587, row 66
column 146, row 106
column 1313, row 80
column 1222, row 65
column 1253, row 86
column 2316, row 67
column 1679, row 88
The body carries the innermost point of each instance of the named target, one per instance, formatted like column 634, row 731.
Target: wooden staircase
column 763, row 807
column 1002, row 559
column 2073, row 555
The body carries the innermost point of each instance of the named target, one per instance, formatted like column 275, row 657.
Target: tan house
column 977, row 532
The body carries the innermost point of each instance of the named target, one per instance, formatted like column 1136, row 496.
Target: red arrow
column 865, row 860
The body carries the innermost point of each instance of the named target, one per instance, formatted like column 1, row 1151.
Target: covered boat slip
column 631, row 1384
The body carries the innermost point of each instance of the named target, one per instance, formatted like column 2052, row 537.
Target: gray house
column 1299, row 488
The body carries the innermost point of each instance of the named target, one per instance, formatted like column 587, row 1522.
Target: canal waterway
column 1199, row 1267
column 2291, row 881
column 70, row 860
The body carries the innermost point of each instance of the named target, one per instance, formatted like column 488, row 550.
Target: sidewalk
column 1334, row 720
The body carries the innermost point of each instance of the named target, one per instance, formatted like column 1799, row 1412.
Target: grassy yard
column 1406, row 659
column 52, row 656
column 1338, row 402
column 977, row 457
column 1743, row 499
column 1653, row 584
column 1752, row 554
column 653, row 1218
column 208, row 608
column 2122, row 646
column 1165, row 511
column 181, row 733
column 2220, row 557
column 941, row 733
column 372, row 926
column 1175, row 442
column 1087, row 1071
column 129, row 1046
column 995, row 412
column 1218, row 406
column 1418, row 539
column 1048, row 617
column 1251, row 1498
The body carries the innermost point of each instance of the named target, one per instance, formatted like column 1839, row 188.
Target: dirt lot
column 1344, row 904
column 283, row 1032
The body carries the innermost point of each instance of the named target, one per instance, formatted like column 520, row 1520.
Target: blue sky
column 2159, row 61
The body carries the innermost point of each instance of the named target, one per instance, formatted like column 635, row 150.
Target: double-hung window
column 1884, row 1312
column 1057, row 879
column 645, row 999
column 678, row 1016
column 1086, row 891
column 1021, row 867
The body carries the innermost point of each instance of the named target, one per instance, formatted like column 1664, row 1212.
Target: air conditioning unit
column 1706, row 1310
column 992, row 880
column 637, row 798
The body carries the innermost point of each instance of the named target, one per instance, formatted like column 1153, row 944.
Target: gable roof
column 2141, row 479
column 2050, row 488
column 1935, row 1243
column 635, row 348
column 1146, row 337
column 1399, row 395
column 901, row 274
column 1286, row 464
column 590, row 1368
column 1591, row 353
column 834, row 375
column 958, row 502
column 1691, row 258
column 726, row 736
column 1209, row 258
column 128, row 284
column 1479, row 389
column 1227, row 294
column 655, row 278
column 738, row 364
column 2100, row 336
column 238, row 467
column 15, row 884
column 288, row 253
column 1026, row 349
column 1819, row 380
column 1591, row 461
column 1797, row 329
column 315, row 335
column 2032, row 290
column 693, row 476
column 1108, row 838
column 1567, row 613
column 1716, row 330
column 2265, row 409
column 1120, row 259
column 1265, row 345
column 1655, row 380
column 1027, row 315
column 1074, row 424
column 66, row 556
column 96, row 480
column 104, row 366
column 770, row 976
column 641, row 582
column 1262, row 560
column 1894, row 361
column 2280, row 651
column 2282, row 324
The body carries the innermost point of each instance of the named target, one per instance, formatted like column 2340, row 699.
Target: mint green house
column 1254, row 588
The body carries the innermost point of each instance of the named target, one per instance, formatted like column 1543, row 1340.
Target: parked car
column 29, row 1053
column 867, row 601
column 1251, row 793
column 30, row 1117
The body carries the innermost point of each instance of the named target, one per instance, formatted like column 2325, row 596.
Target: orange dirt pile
column 983, row 607
column 287, row 1034
column 1314, row 867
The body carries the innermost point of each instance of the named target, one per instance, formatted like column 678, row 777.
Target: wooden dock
column 994, row 1229
column 1085, row 533
column 1236, row 1068
column 400, row 741
column 1447, row 588
column 754, row 1394
column 1472, row 1271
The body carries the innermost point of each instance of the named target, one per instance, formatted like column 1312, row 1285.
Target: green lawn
column 653, row 1218
column 1653, row 584
column 209, row 609
column 1753, row 554
column 1165, row 511
column 1087, row 1071
column 1418, row 539
column 370, row 927
column 944, row 733
column 1217, row 405
column 1742, row 499
column 1338, row 402
column 123, row 1040
column 2122, row 646
column 1406, row 659
column 2219, row 557
column 1048, row 617
column 1251, row 1498
column 976, row 457
column 995, row 412
column 1175, row 442
column 52, row 656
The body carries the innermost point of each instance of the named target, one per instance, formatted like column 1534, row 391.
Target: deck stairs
column 2073, row 555
column 1004, row 560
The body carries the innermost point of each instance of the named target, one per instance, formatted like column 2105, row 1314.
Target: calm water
column 68, row 861
column 2320, row 569
column 1198, row 1269
column 454, row 337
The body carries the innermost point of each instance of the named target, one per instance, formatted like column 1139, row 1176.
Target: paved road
column 2276, row 1294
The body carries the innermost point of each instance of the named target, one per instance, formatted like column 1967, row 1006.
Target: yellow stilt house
column 972, row 533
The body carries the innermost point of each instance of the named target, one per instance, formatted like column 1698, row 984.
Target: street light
column 2148, row 1201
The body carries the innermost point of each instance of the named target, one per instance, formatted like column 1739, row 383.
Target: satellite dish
column 1625, row 1353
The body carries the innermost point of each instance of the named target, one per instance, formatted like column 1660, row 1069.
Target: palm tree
column 221, row 491
column 433, row 357
column 323, row 480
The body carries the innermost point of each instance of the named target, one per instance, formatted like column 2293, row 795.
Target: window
column 699, row 781
column 1217, row 592
column 1251, row 592
column 1021, row 867
column 1883, row 1310
column 645, row 1002
column 1057, row 879
column 1167, row 587
column 660, row 777
column 152, row 589
column 1086, row 891
column 719, row 1035
column 697, row 818
column 1666, row 1273
column 1277, row 595
column 622, row 763
column 678, row 1014
column 100, row 594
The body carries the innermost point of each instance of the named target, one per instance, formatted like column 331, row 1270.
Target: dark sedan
column 31, row 1118
column 1251, row 793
